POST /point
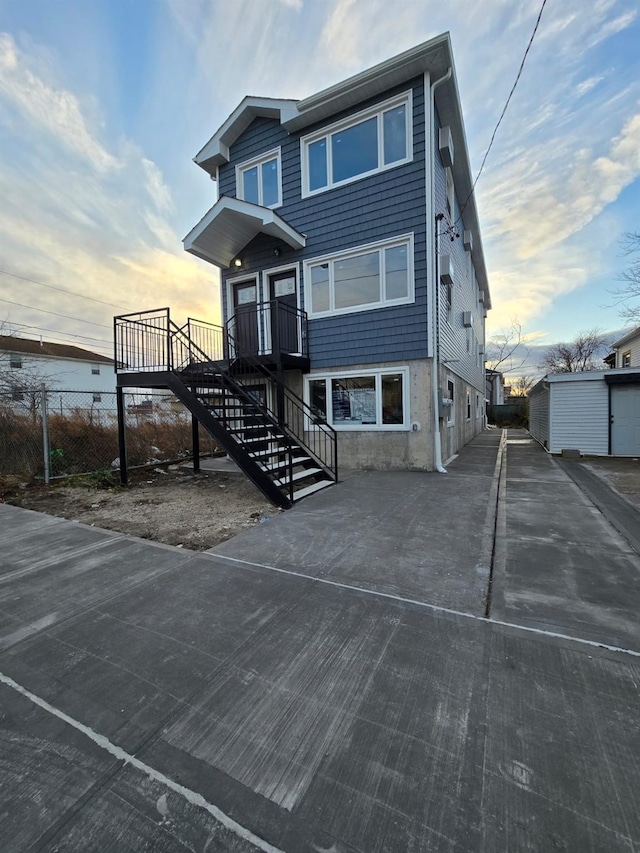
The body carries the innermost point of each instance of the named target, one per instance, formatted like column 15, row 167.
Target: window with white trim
column 97, row 398
column 626, row 359
column 468, row 405
column 15, row 361
column 371, row 276
column 366, row 143
column 95, row 370
column 362, row 400
column 259, row 180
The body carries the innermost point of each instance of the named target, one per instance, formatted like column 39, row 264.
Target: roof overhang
column 216, row 151
column 626, row 338
column 230, row 224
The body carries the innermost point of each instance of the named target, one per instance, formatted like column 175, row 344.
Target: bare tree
column 584, row 352
column 521, row 385
column 628, row 295
column 506, row 350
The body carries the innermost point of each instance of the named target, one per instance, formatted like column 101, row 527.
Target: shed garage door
column 625, row 420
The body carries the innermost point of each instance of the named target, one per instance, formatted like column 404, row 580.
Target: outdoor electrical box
column 445, row 405
column 467, row 322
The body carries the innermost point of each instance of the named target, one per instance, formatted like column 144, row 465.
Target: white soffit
column 230, row 224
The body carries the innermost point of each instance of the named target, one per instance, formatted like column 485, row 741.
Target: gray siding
column 580, row 416
column 375, row 208
column 539, row 414
column 458, row 347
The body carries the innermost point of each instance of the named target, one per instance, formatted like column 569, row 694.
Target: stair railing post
column 195, row 439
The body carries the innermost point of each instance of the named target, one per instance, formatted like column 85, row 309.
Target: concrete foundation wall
column 463, row 429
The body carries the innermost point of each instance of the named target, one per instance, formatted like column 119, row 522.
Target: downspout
column 432, row 271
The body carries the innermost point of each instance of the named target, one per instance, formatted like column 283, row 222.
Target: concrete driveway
column 329, row 681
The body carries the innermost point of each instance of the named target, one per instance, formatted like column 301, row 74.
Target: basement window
column 366, row 400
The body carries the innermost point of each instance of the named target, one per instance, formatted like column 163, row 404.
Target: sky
column 104, row 103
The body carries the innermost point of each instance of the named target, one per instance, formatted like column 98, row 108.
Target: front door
column 245, row 312
column 284, row 313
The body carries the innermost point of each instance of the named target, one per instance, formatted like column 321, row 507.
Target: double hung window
column 364, row 401
column 259, row 180
column 360, row 279
column 369, row 142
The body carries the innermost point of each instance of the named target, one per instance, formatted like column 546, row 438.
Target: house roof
column 50, row 350
column 625, row 339
column 232, row 223
column 434, row 57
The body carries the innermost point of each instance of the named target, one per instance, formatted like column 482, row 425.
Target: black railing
column 150, row 341
column 268, row 328
column 304, row 423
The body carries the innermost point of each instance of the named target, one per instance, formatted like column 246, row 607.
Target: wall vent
column 445, row 144
column 446, row 269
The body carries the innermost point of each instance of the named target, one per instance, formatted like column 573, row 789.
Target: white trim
column 241, row 168
column 379, row 246
column 376, row 111
column 379, row 372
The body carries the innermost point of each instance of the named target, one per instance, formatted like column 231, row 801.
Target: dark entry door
column 245, row 311
column 284, row 315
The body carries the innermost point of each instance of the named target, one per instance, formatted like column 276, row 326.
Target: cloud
column 82, row 216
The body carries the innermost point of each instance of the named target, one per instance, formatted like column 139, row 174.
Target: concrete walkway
column 290, row 697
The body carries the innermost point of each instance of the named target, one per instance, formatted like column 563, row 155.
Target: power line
column 56, row 332
column 55, row 313
column 513, row 88
column 61, row 289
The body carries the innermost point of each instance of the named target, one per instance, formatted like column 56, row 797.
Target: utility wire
column 513, row 88
column 61, row 289
column 44, row 311
column 56, row 332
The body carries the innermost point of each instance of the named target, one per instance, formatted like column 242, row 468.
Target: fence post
column 45, row 432
column 122, row 441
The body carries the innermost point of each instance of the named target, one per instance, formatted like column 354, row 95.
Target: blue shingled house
column 353, row 283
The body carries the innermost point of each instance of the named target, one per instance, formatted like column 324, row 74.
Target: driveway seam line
column 435, row 607
column 120, row 754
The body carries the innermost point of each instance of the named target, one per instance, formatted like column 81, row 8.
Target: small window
column 259, row 180
column 369, row 142
column 626, row 359
column 451, row 415
column 468, row 406
column 97, row 398
column 95, row 370
column 15, row 361
column 17, row 395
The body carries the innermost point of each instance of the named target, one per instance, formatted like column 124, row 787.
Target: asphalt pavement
column 403, row 662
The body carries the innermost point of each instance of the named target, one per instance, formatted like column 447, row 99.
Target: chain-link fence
column 53, row 433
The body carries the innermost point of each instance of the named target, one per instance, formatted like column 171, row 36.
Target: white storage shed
column 597, row 413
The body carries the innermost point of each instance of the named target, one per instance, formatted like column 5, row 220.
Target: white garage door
column 625, row 420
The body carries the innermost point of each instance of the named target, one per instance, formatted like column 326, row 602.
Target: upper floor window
column 366, row 143
column 371, row 276
column 95, row 370
column 259, row 180
column 15, row 360
column 626, row 359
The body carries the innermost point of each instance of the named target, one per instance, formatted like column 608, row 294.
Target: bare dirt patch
column 164, row 505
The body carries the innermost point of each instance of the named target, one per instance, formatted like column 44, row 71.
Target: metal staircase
column 288, row 451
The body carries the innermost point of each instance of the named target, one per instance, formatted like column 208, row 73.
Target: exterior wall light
column 237, row 262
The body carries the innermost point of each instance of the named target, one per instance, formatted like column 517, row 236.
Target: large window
column 369, row 277
column 364, row 144
column 366, row 400
column 259, row 180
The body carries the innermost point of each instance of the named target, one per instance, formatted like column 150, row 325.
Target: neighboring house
column 65, row 370
column 596, row 412
column 354, row 289
column 494, row 387
column 626, row 351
